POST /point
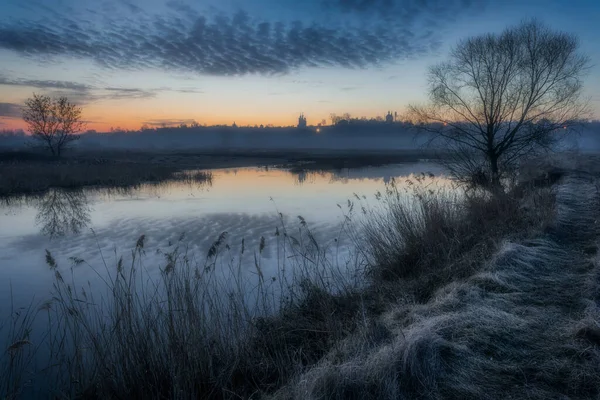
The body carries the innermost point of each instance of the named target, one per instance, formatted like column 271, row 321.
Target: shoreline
column 24, row 173
column 458, row 299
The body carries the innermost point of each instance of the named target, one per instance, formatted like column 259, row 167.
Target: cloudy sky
column 130, row 62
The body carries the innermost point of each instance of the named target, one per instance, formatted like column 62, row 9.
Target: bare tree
column 53, row 121
column 502, row 97
column 334, row 118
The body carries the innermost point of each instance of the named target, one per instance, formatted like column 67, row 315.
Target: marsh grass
column 201, row 327
column 435, row 234
column 17, row 351
column 31, row 177
column 321, row 326
column 523, row 326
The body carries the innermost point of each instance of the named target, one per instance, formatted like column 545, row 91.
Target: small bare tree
column 61, row 212
column 53, row 121
column 334, row 118
column 502, row 97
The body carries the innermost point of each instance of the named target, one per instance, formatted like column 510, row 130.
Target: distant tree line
column 12, row 132
column 348, row 119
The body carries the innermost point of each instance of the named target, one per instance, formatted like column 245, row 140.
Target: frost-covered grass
column 445, row 295
column 525, row 324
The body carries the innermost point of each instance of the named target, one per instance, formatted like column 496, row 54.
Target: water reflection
column 342, row 175
column 61, row 212
column 237, row 201
column 245, row 191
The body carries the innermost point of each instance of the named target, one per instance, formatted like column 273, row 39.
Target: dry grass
column 466, row 296
column 436, row 235
column 17, row 352
column 201, row 328
column 525, row 325
column 28, row 177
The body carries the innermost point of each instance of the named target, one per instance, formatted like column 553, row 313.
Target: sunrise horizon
column 133, row 63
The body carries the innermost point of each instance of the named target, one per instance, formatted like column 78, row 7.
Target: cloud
column 132, row 7
column 83, row 93
column 348, row 88
column 44, row 84
column 114, row 93
column 306, row 82
column 237, row 44
column 406, row 10
column 10, row 110
column 79, row 92
column 85, row 96
column 169, row 122
column 187, row 90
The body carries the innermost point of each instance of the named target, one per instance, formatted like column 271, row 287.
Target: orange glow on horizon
column 136, row 124
column 132, row 115
column 222, row 109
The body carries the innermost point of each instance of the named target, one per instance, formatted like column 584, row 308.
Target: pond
column 99, row 226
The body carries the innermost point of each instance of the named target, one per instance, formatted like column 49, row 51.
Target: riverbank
column 450, row 296
column 36, row 177
column 29, row 173
column 524, row 324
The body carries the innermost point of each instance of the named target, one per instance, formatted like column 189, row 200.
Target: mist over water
column 381, row 137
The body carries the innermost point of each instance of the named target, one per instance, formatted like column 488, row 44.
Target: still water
column 101, row 225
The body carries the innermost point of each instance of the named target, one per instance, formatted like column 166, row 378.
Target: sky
column 155, row 62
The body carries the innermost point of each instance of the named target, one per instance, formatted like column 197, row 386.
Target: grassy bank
column 523, row 325
column 33, row 175
column 449, row 295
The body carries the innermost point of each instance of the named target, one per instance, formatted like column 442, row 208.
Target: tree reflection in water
column 61, row 212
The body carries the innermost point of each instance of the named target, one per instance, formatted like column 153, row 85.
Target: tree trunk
column 495, row 178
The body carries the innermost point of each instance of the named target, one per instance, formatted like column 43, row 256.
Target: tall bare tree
column 504, row 96
column 53, row 121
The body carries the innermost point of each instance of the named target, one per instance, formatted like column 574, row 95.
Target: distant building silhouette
column 389, row 118
column 302, row 121
column 234, row 125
